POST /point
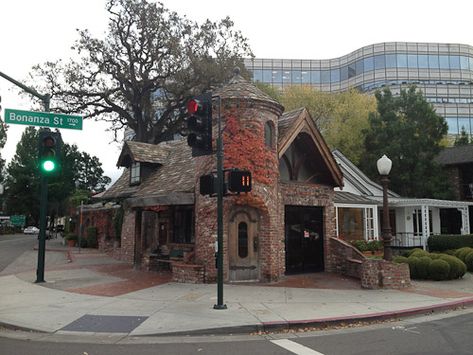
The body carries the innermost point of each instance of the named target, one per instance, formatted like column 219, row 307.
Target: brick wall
column 127, row 249
column 188, row 273
column 384, row 274
column 302, row 194
column 345, row 259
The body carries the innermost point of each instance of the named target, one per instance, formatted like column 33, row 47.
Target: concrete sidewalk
column 96, row 294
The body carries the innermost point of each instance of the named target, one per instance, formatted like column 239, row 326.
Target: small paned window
column 454, row 62
column 412, row 61
column 315, row 76
column 135, row 174
column 335, row 75
column 359, row 67
column 183, row 231
column 379, row 62
column 268, row 134
column 242, row 240
column 443, row 61
column 423, row 61
column 391, row 61
column 325, row 76
column 464, row 63
column 402, row 60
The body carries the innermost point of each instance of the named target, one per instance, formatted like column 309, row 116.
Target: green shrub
column 463, row 252
column 361, row 245
column 469, row 261
column 413, row 262
column 439, row 270
column 400, row 260
column 418, row 253
column 445, row 242
column 423, row 267
column 435, row 256
column 450, row 252
column 457, row 267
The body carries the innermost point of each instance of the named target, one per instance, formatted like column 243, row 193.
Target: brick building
column 284, row 225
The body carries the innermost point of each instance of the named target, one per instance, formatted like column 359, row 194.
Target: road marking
column 295, row 347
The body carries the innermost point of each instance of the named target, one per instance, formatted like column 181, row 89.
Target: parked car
column 31, row 230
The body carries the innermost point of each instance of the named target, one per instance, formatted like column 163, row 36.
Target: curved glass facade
column 444, row 73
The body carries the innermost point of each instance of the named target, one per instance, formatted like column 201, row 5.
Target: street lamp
column 384, row 167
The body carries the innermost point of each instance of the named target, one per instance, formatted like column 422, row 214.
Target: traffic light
column 199, row 124
column 207, row 184
column 239, row 181
column 50, row 145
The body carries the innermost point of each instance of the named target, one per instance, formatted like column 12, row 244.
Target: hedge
column 435, row 266
column 446, row 242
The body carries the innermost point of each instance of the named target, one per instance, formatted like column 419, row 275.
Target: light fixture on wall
column 384, row 165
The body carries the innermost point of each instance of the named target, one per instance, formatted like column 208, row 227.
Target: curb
column 322, row 322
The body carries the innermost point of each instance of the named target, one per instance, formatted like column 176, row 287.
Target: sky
column 33, row 32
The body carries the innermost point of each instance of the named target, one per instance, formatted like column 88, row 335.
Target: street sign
column 43, row 119
column 18, row 220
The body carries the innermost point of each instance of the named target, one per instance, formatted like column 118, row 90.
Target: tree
column 407, row 129
column 23, row 178
column 462, row 139
column 341, row 117
column 145, row 70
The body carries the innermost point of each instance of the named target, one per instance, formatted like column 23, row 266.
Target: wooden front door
column 244, row 246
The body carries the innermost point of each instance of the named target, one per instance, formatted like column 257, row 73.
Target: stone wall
column 384, row 274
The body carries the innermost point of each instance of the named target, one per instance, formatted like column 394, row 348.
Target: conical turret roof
column 239, row 88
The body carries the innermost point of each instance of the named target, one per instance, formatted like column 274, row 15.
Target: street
column 13, row 245
column 446, row 334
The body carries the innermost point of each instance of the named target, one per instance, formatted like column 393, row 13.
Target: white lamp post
column 384, row 165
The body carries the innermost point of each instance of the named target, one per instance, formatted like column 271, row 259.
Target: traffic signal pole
column 43, row 206
column 44, row 186
column 220, row 304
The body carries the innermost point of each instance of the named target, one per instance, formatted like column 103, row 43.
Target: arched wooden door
column 244, row 246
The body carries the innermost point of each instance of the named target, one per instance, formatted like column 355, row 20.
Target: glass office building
column 444, row 73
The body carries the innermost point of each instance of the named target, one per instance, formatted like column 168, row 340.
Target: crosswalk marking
column 295, row 347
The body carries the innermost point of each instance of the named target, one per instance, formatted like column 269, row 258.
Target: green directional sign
column 18, row 220
column 43, row 119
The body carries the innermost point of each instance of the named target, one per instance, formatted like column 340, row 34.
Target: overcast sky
column 33, row 31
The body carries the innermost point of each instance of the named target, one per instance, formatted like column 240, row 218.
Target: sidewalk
column 91, row 293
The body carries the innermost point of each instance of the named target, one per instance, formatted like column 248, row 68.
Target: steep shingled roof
column 143, row 153
column 456, row 155
column 286, row 121
column 175, row 173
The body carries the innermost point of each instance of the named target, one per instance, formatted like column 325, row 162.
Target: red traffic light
column 239, row 181
column 193, row 106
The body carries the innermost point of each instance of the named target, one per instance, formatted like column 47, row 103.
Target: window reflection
column 325, row 76
column 359, row 67
column 433, row 61
column 423, row 61
column 368, row 64
column 452, row 125
column 379, row 62
column 402, row 60
column 443, row 61
column 335, row 75
column 315, row 76
column 412, row 61
column 390, row 61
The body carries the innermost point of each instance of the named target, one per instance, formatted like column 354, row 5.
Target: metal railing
column 407, row 240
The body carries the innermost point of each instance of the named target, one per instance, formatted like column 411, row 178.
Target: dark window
column 257, row 75
column 464, row 63
column 351, row 70
column 242, row 240
column 305, row 77
column 390, row 61
column 344, row 73
column 454, row 62
column 368, row 64
column 412, row 61
column 402, row 60
column 443, row 61
column 296, row 76
column 379, row 62
column 277, row 76
column 423, row 60
column 267, row 75
column 433, row 61
column 183, row 231
column 315, row 76
column 335, row 75
column 359, row 67
column 268, row 134
column 325, row 76
column 135, row 177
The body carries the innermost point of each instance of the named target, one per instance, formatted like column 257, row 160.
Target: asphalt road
column 12, row 246
column 449, row 334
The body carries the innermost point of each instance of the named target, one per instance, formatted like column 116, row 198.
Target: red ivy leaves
column 245, row 149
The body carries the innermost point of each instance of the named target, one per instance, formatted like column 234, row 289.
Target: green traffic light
column 48, row 166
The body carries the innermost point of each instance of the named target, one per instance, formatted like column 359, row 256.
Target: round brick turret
column 249, row 120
